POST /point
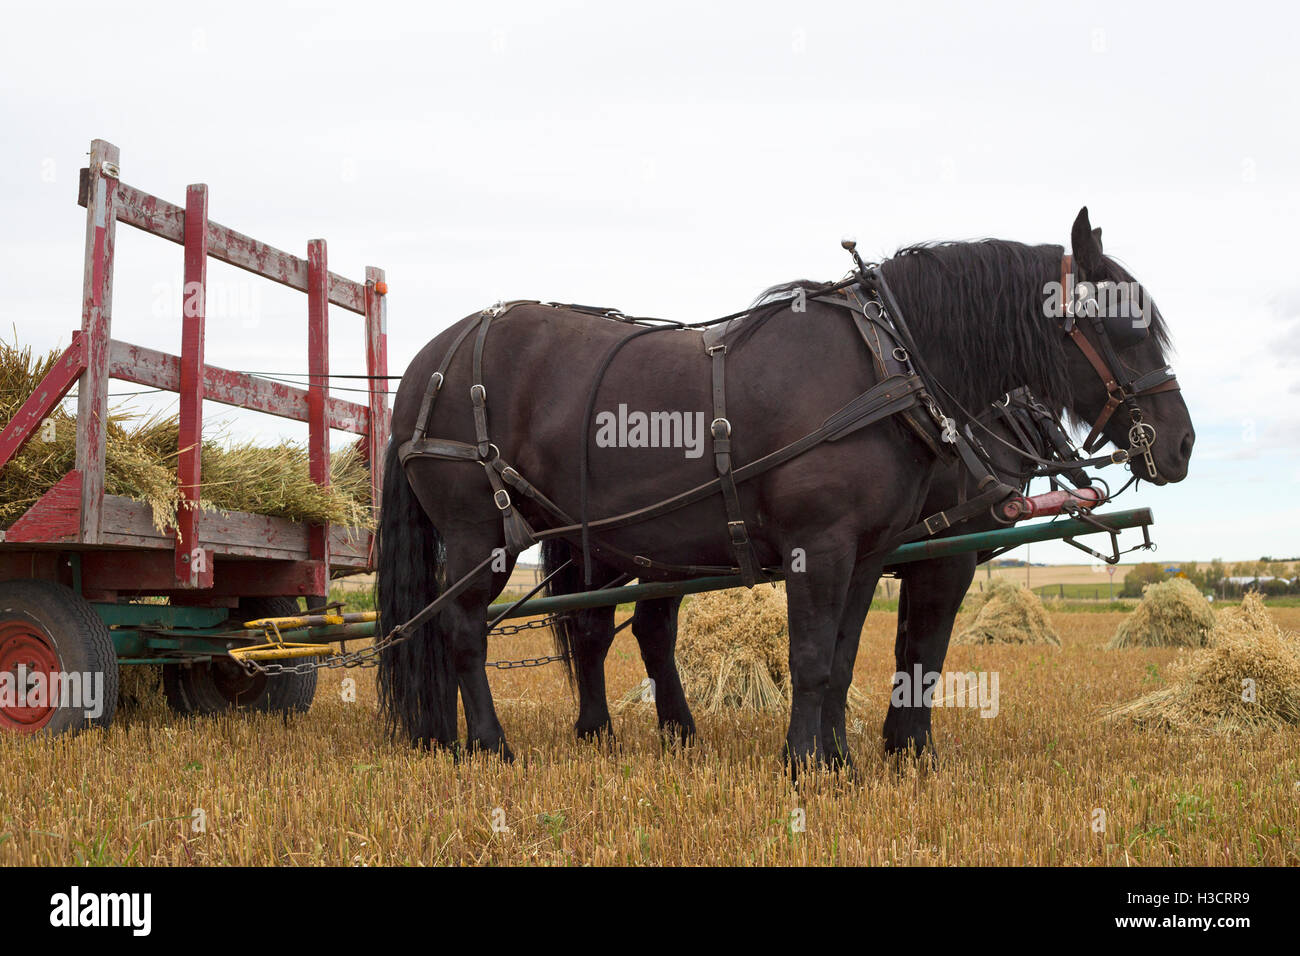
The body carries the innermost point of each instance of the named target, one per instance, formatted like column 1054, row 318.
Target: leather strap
column 1118, row 391
column 720, row 430
column 885, row 399
column 477, row 391
column 424, row 419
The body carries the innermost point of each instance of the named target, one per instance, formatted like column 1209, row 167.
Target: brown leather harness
column 1121, row 389
column 901, row 390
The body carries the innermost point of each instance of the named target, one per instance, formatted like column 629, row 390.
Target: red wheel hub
column 25, row 652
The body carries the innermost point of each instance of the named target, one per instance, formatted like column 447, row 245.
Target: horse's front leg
column 655, row 627
column 816, row 599
column 930, row 596
column 862, row 586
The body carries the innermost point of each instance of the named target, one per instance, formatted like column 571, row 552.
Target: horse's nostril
column 1186, row 447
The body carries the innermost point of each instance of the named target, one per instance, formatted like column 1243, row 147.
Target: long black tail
column 555, row 551
column 417, row 681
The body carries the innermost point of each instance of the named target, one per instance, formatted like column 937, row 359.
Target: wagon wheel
column 46, row 628
column 216, row 686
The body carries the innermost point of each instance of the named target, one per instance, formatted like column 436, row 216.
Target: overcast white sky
column 674, row 158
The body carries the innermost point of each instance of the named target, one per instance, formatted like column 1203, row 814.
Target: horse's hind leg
column 835, row 705
column 465, row 623
column 655, row 626
column 592, row 634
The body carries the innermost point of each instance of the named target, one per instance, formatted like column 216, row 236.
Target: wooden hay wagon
column 82, row 571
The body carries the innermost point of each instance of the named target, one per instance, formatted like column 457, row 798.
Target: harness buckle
column 482, row 393
column 717, row 347
column 713, row 428
column 936, row 523
column 501, row 498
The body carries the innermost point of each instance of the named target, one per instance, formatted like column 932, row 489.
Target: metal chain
column 369, row 656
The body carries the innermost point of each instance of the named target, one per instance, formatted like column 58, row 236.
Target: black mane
column 982, row 302
column 979, row 305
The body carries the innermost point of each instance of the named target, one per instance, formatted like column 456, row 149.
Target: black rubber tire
column 80, row 639
column 221, row 685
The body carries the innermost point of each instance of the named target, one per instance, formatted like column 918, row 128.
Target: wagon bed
column 99, row 554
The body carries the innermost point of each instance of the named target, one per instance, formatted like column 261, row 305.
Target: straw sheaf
column 1007, row 614
column 1246, row 680
column 141, row 457
column 1171, row 613
column 733, row 651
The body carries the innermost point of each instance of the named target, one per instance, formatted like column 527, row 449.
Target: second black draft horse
column 979, row 315
column 930, row 595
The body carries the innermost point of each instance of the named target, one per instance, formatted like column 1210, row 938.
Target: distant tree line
column 1217, row 576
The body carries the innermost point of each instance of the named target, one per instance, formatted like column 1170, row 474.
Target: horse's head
column 1122, row 383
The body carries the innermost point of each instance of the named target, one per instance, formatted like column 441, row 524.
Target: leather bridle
column 1122, row 388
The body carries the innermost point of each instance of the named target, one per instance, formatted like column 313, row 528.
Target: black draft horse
column 978, row 313
column 930, row 595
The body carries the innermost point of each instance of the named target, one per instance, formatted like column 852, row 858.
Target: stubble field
column 1041, row 783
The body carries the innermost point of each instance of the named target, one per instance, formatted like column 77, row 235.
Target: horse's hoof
column 595, row 733
column 497, row 747
column 676, row 734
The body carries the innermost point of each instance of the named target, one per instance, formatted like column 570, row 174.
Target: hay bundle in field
column 1247, row 679
column 1008, row 614
column 1171, row 613
column 140, row 463
column 733, row 651
column 973, row 602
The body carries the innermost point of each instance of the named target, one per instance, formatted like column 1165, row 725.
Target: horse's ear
column 1085, row 243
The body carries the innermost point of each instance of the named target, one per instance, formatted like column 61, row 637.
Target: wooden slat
column 318, row 370
column 154, row 369
column 96, row 325
column 377, row 368
column 192, row 567
column 162, row 218
column 28, row 420
column 129, row 523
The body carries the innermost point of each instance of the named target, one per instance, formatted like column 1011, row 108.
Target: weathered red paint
column 55, row 518
column 154, row 369
column 318, row 370
column 150, row 572
column 30, row 418
column 25, row 645
column 1021, row 508
column 377, row 369
column 121, row 551
column 165, row 219
column 192, row 568
column 96, row 322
